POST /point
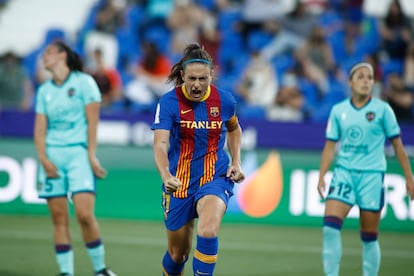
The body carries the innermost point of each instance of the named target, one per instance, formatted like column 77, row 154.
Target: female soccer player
column 67, row 114
column 190, row 127
column 360, row 125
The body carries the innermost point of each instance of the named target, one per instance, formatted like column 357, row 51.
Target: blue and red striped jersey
column 197, row 135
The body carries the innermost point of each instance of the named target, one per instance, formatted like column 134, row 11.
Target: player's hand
column 410, row 188
column 235, row 173
column 50, row 168
column 321, row 188
column 172, row 184
column 97, row 169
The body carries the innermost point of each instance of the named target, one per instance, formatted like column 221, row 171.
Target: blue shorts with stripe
column 179, row 211
column 74, row 170
column 363, row 188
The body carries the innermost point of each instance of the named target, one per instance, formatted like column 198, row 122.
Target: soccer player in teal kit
column 191, row 124
column 360, row 125
column 67, row 114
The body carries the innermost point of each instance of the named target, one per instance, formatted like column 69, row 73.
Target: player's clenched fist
column 172, row 184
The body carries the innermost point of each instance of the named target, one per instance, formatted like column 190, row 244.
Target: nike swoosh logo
column 198, row 272
column 185, row 111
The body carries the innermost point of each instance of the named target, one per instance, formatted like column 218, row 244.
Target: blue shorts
column 363, row 188
column 74, row 170
column 179, row 211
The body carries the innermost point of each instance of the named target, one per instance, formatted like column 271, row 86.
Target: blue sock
column 332, row 246
column 169, row 267
column 205, row 256
column 64, row 257
column 371, row 254
column 96, row 252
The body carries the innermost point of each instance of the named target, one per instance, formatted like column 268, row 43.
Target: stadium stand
column 352, row 29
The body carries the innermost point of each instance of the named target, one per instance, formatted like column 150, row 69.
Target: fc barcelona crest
column 370, row 116
column 214, row 111
column 71, row 92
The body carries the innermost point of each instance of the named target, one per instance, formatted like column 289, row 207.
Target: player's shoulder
column 81, row 76
column 169, row 96
column 378, row 102
column 44, row 86
column 224, row 94
column 341, row 105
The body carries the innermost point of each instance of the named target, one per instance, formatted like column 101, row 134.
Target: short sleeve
column 391, row 126
column 40, row 106
column 332, row 128
column 90, row 90
column 164, row 116
column 229, row 105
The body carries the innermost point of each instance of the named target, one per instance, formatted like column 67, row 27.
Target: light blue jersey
column 64, row 106
column 361, row 133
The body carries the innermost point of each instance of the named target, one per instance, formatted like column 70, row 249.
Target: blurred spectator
column 108, row 78
column 289, row 100
column 283, row 42
column 256, row 14
column 209, row 35
column 316, row 58
column 396, row 32
column 104, row 41
column 16, row 90
column 150, row 78
column 409, row 67
column 185, row 22
column 300, row 21
column 110, row 16
column 400, row 98
column 290, row 31
column 315, row 7
column 258, row 85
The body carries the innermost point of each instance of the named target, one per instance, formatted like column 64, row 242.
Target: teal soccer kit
column 360, row 164
column 66, row 139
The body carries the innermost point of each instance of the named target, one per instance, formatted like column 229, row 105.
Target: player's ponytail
column 73, row 60
column 192, row 53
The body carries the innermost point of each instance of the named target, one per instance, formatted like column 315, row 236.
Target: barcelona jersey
column 197, row 135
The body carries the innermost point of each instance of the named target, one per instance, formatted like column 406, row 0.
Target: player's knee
column 85, row 218
column 59, row 219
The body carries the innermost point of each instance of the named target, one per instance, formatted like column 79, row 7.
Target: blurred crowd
column 284, row 60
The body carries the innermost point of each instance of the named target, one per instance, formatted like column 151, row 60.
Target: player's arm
column 405, row 165
column 234, row 135
column 40, row 142
column 161, row 145
column 328, row 153
column 92, row 116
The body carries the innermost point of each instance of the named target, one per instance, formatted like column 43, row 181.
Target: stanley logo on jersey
column 201, row 124
column 214, row 111
column 71, row 92
column 370, row 116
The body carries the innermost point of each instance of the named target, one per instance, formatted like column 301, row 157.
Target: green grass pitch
column 135, row 248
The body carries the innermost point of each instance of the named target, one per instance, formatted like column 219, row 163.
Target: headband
column 359, row 65
column 196, row 60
